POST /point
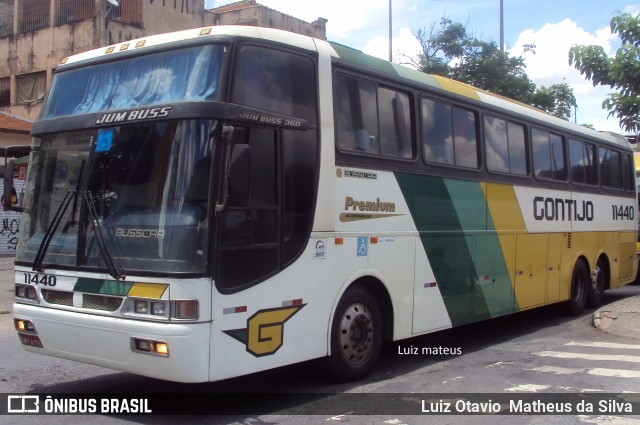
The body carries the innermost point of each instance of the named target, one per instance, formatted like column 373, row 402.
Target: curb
column 620, row 318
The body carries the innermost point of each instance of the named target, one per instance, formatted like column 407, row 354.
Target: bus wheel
column 579, row 288
column 599, row 281
column 356, row 335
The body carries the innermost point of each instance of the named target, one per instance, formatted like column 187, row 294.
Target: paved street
column 535, row 352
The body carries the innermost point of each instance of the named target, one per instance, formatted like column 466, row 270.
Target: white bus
column 220, row 201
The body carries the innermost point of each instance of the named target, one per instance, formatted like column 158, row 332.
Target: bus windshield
column 138, row 194
column 190, row 74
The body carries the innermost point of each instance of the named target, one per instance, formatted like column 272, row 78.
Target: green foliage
column 451, row 52
column 621, row 73
column 558, row 100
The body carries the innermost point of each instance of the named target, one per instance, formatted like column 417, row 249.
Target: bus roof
column 351, row 56
column 358, row 58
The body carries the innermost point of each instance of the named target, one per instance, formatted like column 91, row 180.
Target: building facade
column 35, row 35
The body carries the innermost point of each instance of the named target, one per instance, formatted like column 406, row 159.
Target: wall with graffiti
column 10, row 224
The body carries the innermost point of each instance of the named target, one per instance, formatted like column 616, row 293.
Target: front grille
column 58, row 297
column 101, row 302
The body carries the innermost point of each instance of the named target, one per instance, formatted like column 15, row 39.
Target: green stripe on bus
column 104, row 287
column 356, row 56
column 482, row 242
column 462, row 246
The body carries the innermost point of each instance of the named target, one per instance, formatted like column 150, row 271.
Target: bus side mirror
column 240, row 175
column 9, row 197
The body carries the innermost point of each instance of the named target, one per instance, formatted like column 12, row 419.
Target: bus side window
column 276, row 81
column 394, row 122
column 582, row 162
column 356, row 115
column 449, row 134
column 437, row 132
column 506, row 146
column 610, row 168
column 548, row 155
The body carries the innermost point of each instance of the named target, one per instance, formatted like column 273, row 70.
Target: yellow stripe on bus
column 147, row 290
column 508, row 222
column 457, row 87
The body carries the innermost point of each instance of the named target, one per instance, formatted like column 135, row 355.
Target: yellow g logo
column 264, row 333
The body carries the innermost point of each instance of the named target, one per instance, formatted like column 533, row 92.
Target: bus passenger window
column 437, row 132
column 395, row 126
column 356, row 115
column 505, row 144
column 610, row 168
column 465, row 141
column 583, row 162
column 629, row 173
column 548, row 155
column 449, row 134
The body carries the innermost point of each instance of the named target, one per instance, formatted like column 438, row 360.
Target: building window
column 127, row 12
column 5, row 91
column 449, row 134
column 74, row 10
column 548, row 155
column 34, row 15
column 506, row 146
column 6, row 17
column 31, row 88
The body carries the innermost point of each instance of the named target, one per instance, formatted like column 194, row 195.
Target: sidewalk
column 620, row 318
column 6, row 284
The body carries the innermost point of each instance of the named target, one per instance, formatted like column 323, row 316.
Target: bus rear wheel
column 356, row 335
column 580, row 288
column 599, row 282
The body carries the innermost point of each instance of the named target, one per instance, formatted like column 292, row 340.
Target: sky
column 553, row 26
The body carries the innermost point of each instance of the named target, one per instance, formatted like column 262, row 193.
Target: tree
column 451, row 52
column 558, row 100
column 621, row 73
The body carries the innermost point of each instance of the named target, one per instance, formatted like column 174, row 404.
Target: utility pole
column 390, row 31
column 501, row 27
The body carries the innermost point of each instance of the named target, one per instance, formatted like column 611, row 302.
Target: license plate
column 31, row 340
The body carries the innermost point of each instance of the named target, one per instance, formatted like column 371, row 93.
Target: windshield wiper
column 97, row 230
column 38, row 262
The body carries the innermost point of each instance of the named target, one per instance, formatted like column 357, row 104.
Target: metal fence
column 74, row 10
column 127, row 12
column 34, row 15
column 6, row 17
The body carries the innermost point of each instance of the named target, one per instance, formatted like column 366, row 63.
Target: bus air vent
column 58, row 297
column 101, row 302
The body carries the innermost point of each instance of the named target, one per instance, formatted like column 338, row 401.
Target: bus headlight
column 26, row 292
column 145, row 309
column 141, row 307
column 158, row 308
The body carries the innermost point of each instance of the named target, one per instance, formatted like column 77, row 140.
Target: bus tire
column 356, row 335
column 580, row 284
column 599, row 282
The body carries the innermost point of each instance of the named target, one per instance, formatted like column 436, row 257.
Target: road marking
column 585, row 356
column 601, row 420
column 614, row 373
column 557, row 370
column 528, row 388
column 339, row 417
column 605, row 345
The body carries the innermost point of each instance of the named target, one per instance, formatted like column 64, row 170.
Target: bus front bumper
column 110, row 342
